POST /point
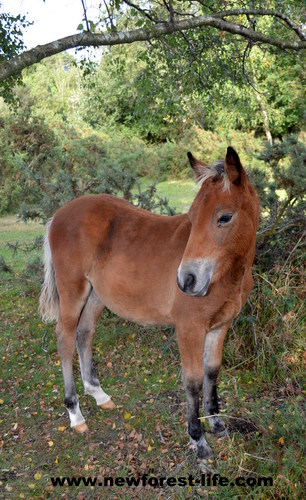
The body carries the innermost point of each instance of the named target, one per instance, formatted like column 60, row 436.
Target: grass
column 179, row 193
column 259, row 386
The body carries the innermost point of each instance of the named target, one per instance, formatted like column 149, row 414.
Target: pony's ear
column 198, row 166
column 233, row 166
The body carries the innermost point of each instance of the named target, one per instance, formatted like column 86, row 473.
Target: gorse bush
column 41, row 170
column 23, row 140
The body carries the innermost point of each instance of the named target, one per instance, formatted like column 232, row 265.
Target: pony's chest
column 225, row 314
column 211, row 311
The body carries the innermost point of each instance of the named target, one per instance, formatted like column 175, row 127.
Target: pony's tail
column 49, row 299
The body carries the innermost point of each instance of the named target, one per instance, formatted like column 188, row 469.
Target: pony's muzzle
column 194, row 277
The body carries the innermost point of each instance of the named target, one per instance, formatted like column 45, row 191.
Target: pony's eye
column 224, row 219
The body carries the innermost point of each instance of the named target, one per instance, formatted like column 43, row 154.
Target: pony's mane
column 216, row 171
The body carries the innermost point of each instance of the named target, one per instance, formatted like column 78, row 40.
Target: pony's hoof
column 206, row 466
column 205, row 452
column 109, row 405
column 223, row 434
column 217, row 427
column 81, row 428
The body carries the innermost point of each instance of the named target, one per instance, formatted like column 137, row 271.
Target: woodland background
column 123, row 125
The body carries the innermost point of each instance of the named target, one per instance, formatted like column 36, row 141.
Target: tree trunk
column 265, row 117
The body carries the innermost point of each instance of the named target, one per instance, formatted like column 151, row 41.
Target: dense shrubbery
column 43, row 168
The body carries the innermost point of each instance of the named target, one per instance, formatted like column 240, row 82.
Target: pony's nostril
column 190, row 281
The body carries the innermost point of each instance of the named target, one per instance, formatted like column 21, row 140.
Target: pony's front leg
column 212, row 359
column 191, row 350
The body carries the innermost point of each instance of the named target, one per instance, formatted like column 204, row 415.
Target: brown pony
column 191, row 271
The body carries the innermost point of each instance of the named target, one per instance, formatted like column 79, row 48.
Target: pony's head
column 224, row 218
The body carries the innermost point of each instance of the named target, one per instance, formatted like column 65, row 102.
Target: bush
column 207, row 146
column 23, row 140
column 130, row 153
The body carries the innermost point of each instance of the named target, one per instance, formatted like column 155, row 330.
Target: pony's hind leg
column 212, row 359
column 85, row 332
column 72, row 300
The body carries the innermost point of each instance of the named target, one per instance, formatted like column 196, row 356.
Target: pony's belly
column 143, row 301
column 138, row 311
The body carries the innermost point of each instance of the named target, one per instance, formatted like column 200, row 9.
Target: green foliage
column 4, row 268
column 287, row 160
column 205, row 145
column 43, row 167
column 202, row 68
column 52, row 90
column 11, row 35
column 284, row 91
column 215, row 81
column 159, row 93
column 42, row 170
column 110, row 95
column 11, row 44
column 125, row 151
column 283, row 186
column 20, row 141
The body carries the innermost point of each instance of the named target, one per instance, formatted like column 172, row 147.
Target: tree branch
column 276, row 230
column 14, row 66
column 143, row 12
column 85, row 14
column 263, row 12
column 110, row 15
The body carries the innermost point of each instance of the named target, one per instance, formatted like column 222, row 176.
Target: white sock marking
column 97, row 392
column 76, row 418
